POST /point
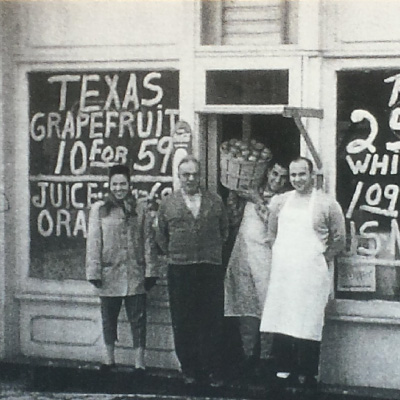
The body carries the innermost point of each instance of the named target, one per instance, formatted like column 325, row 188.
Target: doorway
column 274, row 131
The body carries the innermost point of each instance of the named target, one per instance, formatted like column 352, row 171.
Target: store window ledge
column 50, row 297
column 367, row 312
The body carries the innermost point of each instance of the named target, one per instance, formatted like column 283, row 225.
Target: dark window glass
column 257, row 87
column 368, row 139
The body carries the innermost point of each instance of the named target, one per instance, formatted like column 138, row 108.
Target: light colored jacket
column 328, row 222
column 115, row 251
column 189, row 240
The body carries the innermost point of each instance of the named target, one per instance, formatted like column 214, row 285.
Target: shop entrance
column 274, row 131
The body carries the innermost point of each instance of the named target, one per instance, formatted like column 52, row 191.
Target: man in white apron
column 247, row 275
column 306, row 229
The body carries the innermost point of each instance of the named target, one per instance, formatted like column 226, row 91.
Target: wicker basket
column 241, row 175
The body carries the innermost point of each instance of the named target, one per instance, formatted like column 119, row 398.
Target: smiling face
column 277, row 178
column 300, row 176
column 189, row 177
column 119, row 186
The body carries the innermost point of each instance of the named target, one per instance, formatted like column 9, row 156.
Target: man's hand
column 149, row 283
column 250, row 195
column 97, row 283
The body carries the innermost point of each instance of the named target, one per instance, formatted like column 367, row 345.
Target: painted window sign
column 80, row 123
column 368, row 185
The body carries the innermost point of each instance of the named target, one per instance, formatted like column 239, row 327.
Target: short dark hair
column 282, row 163
column 307, row 160
column 119, row 169
column 189, row 158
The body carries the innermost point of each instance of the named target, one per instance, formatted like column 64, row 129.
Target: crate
column 241, row 175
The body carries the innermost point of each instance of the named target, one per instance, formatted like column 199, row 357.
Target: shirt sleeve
column 337, row 231
column 94, row 244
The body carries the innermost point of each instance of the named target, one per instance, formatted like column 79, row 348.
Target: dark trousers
column 196, row 295
column 298, row 356
column 135, row 307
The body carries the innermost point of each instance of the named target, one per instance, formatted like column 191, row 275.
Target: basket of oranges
column 243, row 164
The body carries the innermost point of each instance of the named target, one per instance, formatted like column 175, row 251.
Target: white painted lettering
column 38, row 132
column 359, row 166
column 44, row 218
column 131, row 94
column 107, row 155
column 74, row 188
column 95, row 149
column 391, row 193
column 358, row 145
column 126, row 119
column 373, row 196
column 91, row 186
column 394, row 239
column 395, row 79
column 39, row 201
column 121, row 155
column 374, row 242
column 53, row 121
column 80, row 224
column 109, row 123
column 394, row 121
column 159, row 121
column 56, row 203
column 69, row 126
column 63, row 79
column 155, row 88
column 383, row 165
column 63, row 219
column 85, row 93
column 173, row 116
column 112, row 94
column 82, row 120
column 147, row 132
column 78, row 146
column 96, row 122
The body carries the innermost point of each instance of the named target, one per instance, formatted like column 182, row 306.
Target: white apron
column 300, row 281
column 248, row 270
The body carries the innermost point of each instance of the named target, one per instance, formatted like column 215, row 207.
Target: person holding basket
column 247, row 274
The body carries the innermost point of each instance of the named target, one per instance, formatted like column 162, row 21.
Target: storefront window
column 368, row 145
column 80, row 124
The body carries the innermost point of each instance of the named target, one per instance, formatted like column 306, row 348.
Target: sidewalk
column 24, row 382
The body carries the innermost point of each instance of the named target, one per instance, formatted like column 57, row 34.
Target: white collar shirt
column 193, row 202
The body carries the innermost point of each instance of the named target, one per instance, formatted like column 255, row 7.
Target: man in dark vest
column 192, row 227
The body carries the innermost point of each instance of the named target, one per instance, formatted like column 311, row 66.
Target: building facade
column 91, row 82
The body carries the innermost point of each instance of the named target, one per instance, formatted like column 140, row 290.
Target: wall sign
column 80, row 124
column 368, row 168
column 355, row 276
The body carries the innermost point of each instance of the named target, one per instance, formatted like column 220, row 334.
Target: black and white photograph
column 199, row 199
